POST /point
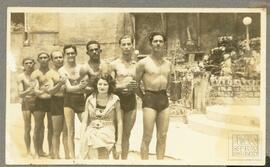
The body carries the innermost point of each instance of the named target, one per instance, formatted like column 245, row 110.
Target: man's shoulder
column 84, row 66
column 115, row 97
column 52, row 73
column 20, row 76
column 36, row 73
column 105, row 63
column 144, row 60
column 167, row 61
column 115, row 61
column 61, row 69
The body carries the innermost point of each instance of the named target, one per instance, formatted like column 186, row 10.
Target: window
column 17, row 22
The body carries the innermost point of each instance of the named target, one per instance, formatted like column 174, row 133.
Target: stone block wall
column 51, row 31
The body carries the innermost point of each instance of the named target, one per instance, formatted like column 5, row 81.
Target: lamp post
column 247, row 21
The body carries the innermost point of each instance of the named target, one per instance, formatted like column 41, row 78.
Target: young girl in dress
column 102, row 113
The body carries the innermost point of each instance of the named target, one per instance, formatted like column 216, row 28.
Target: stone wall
column 48, row 32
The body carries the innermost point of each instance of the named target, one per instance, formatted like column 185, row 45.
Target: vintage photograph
column 136, row 86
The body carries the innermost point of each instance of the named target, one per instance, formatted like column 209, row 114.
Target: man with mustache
column 154, row 71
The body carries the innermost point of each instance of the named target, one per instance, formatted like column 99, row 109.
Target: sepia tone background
column 35, row 32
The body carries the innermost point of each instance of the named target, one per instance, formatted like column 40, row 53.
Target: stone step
column 200, row 123
column 241, row 115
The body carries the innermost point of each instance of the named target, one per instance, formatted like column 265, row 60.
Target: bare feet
column 42, row 154
column 67, row 157
column 36, row 156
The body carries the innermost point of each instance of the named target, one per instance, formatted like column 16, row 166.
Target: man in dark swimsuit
column 43, row 103
column 154, row 71
column 57, row 88
column 26, row 91
column 123, row 70
column 74, row 101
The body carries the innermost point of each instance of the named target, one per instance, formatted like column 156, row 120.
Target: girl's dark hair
column 106, row 77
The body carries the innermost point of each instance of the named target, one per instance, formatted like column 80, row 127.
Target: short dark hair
column 125, row 37
column 28, row 58
column 51, row 55
column 92, row 42
column 106, row 77
column 41, row 53
column 70, row 46
column 153, row 34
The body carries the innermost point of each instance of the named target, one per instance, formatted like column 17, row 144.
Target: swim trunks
column 43, row 105
column 29, row 104
column 157, row 100
column 75, row 102
column 57, row 105
column 127, row 101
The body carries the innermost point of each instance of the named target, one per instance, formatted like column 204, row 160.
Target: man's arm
column 35, row 77
column 113, row 70
column 119, row 122
column 119, row 119
column 119, row 86
column 139, row 75
column 169, row 77
column 75, row 88
column 54, row 88
column 22, row 93
column 85, row 119
column 72, row 88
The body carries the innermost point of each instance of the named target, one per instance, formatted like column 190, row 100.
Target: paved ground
column 184, row 146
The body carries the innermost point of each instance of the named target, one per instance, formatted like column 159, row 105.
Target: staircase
column 222, row 120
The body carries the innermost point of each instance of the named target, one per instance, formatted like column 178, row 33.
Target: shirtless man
column 57, row 88
column 94, row 66
column 154, row 71
column 74, row 101
column 123, row 70
column 43, row 102
column 26, row 91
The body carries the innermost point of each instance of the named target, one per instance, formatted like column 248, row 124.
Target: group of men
column 60, row 92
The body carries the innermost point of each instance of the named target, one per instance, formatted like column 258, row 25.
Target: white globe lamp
column 247, row 21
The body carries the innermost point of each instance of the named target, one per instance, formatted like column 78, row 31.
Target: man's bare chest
column 157, row 69
column 125, row 69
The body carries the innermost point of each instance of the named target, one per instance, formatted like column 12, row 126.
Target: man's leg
column 57, row 121
column 149, row 118
column 128, row 123
column 27, row 129
column 65, row 140
column 38, row 130
column 69, row 119
column 162, row 129
column 41, row 138
column 50, row 132
column 79, row 115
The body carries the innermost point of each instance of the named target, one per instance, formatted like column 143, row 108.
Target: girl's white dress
column 100, row 131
